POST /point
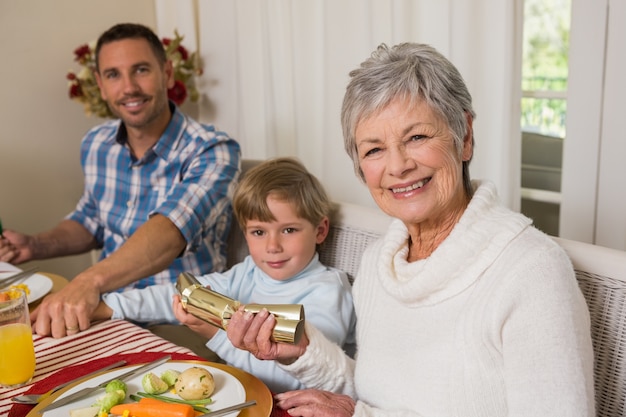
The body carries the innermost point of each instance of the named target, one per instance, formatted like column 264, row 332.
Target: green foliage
column 546, row 39
column 545, row 64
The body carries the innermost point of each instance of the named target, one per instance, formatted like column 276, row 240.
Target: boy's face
column 284, row 247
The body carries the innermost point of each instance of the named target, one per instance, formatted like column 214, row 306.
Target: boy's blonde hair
column 285, row 179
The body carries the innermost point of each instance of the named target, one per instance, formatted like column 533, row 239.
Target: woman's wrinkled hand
column 253, row 333
column 311, row 402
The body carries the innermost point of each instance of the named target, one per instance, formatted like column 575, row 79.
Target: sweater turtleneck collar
column 483, row 231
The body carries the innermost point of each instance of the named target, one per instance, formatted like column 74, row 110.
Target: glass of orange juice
column 17, row 354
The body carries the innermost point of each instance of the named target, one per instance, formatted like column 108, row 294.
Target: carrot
column 149, row 407
column 158, row 402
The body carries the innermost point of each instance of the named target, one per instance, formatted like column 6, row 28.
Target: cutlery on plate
column 33, row 399
column 230, row 409
column 20, row 275
column 86, row 391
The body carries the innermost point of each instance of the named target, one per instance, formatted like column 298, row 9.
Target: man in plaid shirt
column 158, row 188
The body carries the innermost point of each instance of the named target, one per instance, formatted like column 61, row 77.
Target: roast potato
column 195, row 384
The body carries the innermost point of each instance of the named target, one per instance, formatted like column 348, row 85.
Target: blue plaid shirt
column 188, row 176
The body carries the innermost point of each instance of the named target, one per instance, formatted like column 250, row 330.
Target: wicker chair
column 601, row 274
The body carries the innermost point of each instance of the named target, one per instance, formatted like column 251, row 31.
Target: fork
column 18, row 276
column 33, row 399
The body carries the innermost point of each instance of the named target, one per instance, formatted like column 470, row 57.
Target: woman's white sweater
column 491, row 324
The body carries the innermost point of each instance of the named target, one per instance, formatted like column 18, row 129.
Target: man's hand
column 15, row 247
column 311, row 402
column 67, row 311
column 197, row 325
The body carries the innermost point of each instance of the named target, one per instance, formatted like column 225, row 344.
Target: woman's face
column 410, row 163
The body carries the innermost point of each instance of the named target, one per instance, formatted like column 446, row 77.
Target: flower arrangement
column 84, row 89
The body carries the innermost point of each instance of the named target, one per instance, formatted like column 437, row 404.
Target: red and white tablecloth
column 61, row 360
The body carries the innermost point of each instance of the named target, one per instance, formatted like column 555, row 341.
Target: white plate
column 39, row 285
column 228, row 390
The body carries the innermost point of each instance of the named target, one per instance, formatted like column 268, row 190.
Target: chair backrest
column 352, row 229
column 601, row 274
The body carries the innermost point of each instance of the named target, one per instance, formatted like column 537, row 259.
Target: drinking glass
column 17, row 353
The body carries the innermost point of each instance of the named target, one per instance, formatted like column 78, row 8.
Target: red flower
column 181, row 49
column 178, row 93
column 183, row 52
column 75, row 91
column 81, row 52
column 70, row 76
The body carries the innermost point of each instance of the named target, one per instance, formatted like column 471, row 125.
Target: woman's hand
column 316, row 403
column 194, row 323
column 253, row 333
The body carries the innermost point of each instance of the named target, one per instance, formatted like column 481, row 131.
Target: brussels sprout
column 116, row 385
column 115, row 393
column 152, row 384
column 195, row 384
column 170, row 376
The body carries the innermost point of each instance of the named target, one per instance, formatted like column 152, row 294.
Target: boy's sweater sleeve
column 150, row 304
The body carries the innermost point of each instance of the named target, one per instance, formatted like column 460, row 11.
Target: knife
column 23, row 399
column 86, row 391
column 227, row 410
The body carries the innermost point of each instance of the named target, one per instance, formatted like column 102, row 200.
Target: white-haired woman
column 463, row 307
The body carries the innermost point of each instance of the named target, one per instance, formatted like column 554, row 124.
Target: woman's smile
column 417, row 185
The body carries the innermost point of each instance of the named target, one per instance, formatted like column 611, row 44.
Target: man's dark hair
column 131, row 31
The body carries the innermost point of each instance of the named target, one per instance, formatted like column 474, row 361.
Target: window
column 544, row 87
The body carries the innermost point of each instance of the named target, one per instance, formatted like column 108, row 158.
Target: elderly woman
column 463, row 307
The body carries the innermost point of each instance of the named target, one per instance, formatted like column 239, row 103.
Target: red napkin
column 279, row 412
column 76, row 371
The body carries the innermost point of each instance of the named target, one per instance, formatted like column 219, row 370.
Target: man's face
column 133, row 82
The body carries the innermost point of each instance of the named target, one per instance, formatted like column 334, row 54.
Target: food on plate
column 86, row 412
column 195, row 384
column 23, row 287
column 148, row 407
column 152, row 384
column 198, row 405
column 115, row 393
column 170, row 376
column 11, row 294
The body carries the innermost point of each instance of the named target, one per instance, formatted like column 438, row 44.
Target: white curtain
column 275, row 73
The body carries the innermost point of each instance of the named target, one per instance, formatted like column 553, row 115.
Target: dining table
column 59, row 360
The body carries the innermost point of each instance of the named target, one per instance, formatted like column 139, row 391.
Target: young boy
column 283, row 211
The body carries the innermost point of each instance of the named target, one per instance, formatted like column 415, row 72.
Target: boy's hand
column 197, row 325
column 102, row 312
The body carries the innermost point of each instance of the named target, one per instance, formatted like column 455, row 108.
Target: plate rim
column 48, row 281
column 253, row 387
